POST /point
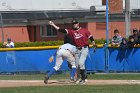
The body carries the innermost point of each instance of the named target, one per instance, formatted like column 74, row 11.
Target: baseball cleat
column 71, row 78
column 86, row 80
column 78, row 81
column 82, row 82
column 46, row 80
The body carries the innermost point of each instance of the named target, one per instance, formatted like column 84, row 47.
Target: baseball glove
column 51, row 59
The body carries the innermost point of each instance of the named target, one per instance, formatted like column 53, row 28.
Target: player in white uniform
column 66, row 51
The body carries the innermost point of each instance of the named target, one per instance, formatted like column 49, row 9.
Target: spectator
column 123, row 44
column 131, row 42
column 135, row 35
column 8, row 44
column 117, row 39
column 138, row 40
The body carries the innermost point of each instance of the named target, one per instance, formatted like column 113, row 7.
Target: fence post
column 107, row 41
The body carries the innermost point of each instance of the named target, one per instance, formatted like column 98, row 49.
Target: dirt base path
column 19, row 83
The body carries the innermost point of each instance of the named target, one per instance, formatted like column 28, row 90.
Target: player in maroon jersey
column 80, row 38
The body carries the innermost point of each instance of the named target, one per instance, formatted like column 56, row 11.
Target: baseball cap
column 8, row 39
column 74, row 21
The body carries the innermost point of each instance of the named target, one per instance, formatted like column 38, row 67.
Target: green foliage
column 35, row 44
column 47, row 43
column 100, row 41
column 1, row 44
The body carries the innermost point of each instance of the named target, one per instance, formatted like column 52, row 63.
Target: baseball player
column 80, row 38
column 68, row 39
column 66, row 51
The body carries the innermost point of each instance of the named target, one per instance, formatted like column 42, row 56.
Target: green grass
column 75, row 89
column 66, row 76
column 115, row 76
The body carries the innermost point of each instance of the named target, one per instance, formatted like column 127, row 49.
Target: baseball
column 50, row 22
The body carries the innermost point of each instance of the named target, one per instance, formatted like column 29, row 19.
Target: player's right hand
column 51, row 23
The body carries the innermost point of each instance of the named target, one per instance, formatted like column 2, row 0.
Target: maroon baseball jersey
column 80, row 36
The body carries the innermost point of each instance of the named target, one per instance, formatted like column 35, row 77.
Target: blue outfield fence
column 37, row 60
column 124, row 60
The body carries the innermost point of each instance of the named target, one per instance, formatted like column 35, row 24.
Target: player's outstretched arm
column 55, row 26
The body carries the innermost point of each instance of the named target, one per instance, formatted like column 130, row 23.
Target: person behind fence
column 138, row 39
column 66, row 51
column 131, row 42
column 136, row 35
column 10, row 55
column 123, row 44
column 8, row 44
column 80, row 38
column 117, row 39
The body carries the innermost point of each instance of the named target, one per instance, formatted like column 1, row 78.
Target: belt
column 82, row 47
column 65, row 49
column 69, row 51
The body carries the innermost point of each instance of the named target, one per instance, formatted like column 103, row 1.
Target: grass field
column 74, row 88
column 120, row 76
